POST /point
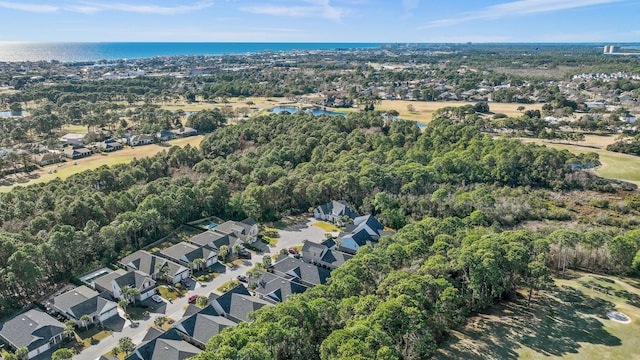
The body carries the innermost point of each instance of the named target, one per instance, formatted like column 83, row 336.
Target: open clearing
column 67, row 169
column 614, row 165
column 423, row 110
column 567, row 322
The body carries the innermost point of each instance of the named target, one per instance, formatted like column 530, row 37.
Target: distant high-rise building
column 607, row 48
column 611, row 49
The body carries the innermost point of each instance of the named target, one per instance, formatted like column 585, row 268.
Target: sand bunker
column 619, row 317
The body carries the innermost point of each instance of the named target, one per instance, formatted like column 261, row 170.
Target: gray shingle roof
column 304, row 272
column 275, row 287
column 150, row 264
column 135, row 279
column 31, row 329
column 203, row 325
column 168, row 346
column 81, row 301
column 188, row 251
column 238, row 303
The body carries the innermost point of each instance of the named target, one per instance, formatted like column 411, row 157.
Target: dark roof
column 336, row 258
column 337, row 208
column 311, row 250
column 216, row 238
column 329, row 243
column 370, row 222
column 188, row 251
column 238, row 303
column 224, row 300
column 104, row 282
column 203, row 325
column 239, row 228
column 135, row 279
column 276, row 288
column 168, row 346
column 304, row 272
column 31, row 329
column 81, row 301
column 150, row 264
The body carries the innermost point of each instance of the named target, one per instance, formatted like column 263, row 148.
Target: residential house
column 246, row 230
column 165, row 346
column 113, row 283
column 206, row 323
column 46, row 158
column 333, row 211
column 300, row 271
column 186, row 254
column 237, row 303
column 628, row 118
column 274, row 288
column 184, row 131
column 323, row 255
column 34, row 329
column 76, row 303
column 109, row 145
column 165, row 135
column 77, row 152
column 156, row 267
column 364, row 230
column 214, row 240
column 72, row 139
column 143, row 139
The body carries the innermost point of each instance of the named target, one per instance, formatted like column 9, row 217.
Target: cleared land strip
column 95, row 161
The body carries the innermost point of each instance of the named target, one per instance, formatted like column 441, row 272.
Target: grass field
column 423, row 110
column 567, row 322
column 326, row 226
column 95, row 161
column 614, row 165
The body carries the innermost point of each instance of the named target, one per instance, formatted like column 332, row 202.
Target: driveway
column 291, row 236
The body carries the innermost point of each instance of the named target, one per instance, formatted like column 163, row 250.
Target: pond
column 293, row 110
column 11, row 113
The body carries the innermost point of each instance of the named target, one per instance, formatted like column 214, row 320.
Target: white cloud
column 321, row 8
column 91, row 8
column 410, row 4
column 143, row 9
column 516, row 8
column 29, row 7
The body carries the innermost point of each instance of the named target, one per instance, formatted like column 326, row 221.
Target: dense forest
column 459, row 198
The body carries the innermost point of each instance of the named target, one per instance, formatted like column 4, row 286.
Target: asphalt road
column 291, row 236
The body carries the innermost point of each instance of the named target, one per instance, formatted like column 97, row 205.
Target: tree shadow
column 554, row 325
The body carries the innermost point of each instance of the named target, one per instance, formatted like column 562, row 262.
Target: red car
column 193, row 298
column 293, row 250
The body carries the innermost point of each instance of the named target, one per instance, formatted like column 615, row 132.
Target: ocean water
column 79, row 52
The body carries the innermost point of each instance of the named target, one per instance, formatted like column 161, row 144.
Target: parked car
column 156, row 298
column 293, row 250
column 244, row 254
column 193, row 298
column 242, row 278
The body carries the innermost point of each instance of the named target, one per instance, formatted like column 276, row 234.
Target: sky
column 374, row 21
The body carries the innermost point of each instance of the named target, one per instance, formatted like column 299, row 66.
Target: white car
column 156, row 298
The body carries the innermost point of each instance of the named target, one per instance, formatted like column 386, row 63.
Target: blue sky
column 321, row 20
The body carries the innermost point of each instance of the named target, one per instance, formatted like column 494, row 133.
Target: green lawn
column 568, row 322
column 169, row 293
column 614, row 165
column 228, row 286
column 326, row 226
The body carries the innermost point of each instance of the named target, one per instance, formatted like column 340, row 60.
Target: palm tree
column 197, row 264
column 126, row 345
column 69, row 327
column 202, row 301
column 85, row 321
column 123, row 305
column 129, row 293
column 223, row 251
